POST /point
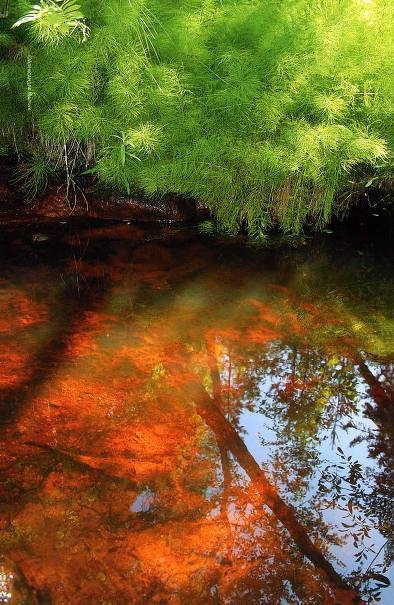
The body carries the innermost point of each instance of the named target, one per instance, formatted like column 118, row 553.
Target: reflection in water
column 13, row 585
column 191, row 422
column 6, row 583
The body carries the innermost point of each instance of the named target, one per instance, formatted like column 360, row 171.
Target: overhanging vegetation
column 270, row 112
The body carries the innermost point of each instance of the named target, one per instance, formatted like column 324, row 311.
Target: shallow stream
column 188, row 420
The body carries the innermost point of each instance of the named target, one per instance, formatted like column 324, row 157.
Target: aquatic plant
column 272, row 114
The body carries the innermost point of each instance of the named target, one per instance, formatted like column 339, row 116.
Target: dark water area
column 189, row 420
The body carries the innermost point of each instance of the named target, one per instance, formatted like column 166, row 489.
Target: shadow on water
column 73, row 305
column 76, row 298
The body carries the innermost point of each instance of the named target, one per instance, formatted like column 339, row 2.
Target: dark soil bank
column 370, row 218
column 91, row 204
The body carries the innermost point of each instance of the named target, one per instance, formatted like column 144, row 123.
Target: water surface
column 191, row 421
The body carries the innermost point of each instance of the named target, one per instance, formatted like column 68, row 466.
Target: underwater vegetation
column 271, row 113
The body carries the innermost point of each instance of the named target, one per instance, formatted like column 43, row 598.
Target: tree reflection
column 132, row 463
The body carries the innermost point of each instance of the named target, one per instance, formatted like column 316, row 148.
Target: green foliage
column 53, row 20
column 33, row 172
column 207, row 228
column 271, row 113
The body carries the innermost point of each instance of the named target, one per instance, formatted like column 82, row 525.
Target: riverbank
column 371, row 216
column 91, row 203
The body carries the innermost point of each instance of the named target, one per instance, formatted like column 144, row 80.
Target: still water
column 191, row 421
